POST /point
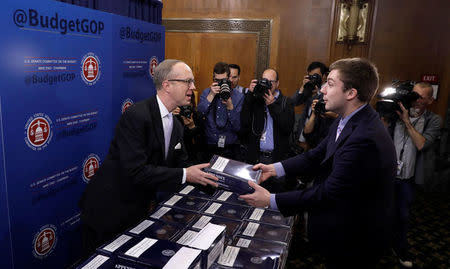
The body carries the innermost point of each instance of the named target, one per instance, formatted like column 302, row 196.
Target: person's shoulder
column 432, row 116
column 369, row 125
column 206, row 91
column 238, row 93
column 289, row 101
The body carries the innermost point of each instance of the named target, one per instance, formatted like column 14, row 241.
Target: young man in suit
column 350, row 204
column 146, row 158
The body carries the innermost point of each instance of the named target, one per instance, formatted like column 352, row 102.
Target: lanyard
column 405, row 138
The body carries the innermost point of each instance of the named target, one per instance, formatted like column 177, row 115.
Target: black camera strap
column 266, row 110
column 254, row 131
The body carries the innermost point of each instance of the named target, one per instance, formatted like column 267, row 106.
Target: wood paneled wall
column 410, row 37
column 201, row 51
column 300, row 29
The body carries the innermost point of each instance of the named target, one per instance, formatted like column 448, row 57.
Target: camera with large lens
column 262, row 87
column 225, row 88
column 400, row 91
column 319, row 108
column 186, row 111
column 315, row 80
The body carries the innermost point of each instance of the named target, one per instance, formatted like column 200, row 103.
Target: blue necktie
column 339, row 130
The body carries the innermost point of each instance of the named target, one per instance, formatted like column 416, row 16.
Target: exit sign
column 432, row 79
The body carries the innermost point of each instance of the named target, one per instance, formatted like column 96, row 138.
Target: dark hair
column 360, row 74
column 235, row 66
column 314, row 65
column 221, row 67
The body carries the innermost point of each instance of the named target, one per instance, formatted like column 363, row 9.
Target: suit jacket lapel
column 345, row 133
column 157, row 123
column 332, row 145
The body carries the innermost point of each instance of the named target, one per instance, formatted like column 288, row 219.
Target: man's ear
column 352, row 94
column 165, row 85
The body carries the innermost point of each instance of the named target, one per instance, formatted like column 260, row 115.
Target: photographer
column 235, row 76
column 194, row 139
column 267, row 119
column 316, row 127
column 221, row 106
column 312, row 82
column 414, row 133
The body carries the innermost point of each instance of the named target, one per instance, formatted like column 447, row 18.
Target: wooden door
column 201, row 51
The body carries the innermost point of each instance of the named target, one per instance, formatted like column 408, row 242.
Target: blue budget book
column 153, row 253
column 233, row 175
column 235, row 257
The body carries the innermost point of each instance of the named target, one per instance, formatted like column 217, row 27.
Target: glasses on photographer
column 187, row 81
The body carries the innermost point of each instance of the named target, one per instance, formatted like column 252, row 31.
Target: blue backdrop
column 67, row 74
column 137, row 48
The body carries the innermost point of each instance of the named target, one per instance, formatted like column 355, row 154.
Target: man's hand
column 189, row 122
column 260, row 198
column 252, row 85
column 313, row 104
column 305, row 80
column 404, row 116
column 268, row 170
column 176, row 111
column 269, row 98
column 228, row 103
column 215, row 89
column 194, row 174
column 417, row 138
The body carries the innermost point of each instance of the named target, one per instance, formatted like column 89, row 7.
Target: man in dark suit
column 350, row 204
column 146, row 158
column 266, row 123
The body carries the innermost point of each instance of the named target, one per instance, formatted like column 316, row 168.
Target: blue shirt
column 266, row 143
column 220, row 120
column 240, row 89
column 343, row 121
column 279, row 169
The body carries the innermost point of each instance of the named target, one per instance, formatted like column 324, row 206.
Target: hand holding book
column 267, row 171
column 233, row 175
column 195, row 174
column 259, row 198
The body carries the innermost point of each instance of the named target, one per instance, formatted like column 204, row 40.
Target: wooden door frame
column 261, row 27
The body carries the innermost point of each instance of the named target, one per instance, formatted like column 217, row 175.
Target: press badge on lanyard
column 263, row 137
column 221, row 142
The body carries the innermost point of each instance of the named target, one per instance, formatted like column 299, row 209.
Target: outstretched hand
column 260, row 198
column 268, row 170
column 195, row 174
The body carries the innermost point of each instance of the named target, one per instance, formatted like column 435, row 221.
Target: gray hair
column 425, row 85
column 163, row 71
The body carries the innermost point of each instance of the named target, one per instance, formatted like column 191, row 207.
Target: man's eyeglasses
column 187, row 81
